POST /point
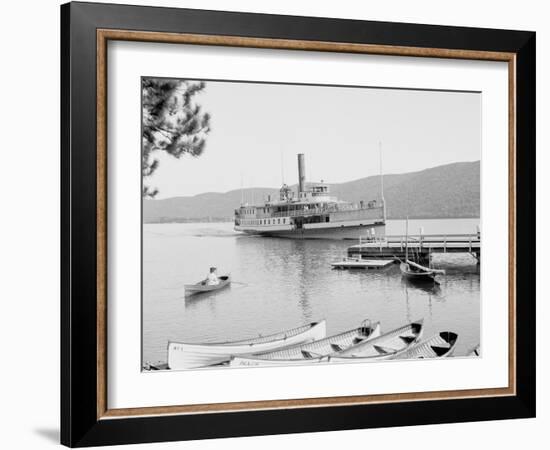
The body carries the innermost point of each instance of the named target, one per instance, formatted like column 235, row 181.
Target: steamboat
column 312, row 213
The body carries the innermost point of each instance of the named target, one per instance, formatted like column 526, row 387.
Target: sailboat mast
column 382, row 181
column 407, row 239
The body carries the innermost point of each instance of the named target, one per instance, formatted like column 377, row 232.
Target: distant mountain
column 452, row 190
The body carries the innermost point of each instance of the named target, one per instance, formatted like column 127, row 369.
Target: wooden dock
column 420, row 245
column 361, row 263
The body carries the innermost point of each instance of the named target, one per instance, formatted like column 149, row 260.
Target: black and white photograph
column 292, row 224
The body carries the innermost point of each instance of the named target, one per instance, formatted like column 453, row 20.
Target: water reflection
column 432, row 287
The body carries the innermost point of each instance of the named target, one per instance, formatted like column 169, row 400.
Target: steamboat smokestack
column 301, row 173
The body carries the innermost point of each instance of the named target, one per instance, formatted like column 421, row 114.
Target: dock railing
column 470, row 241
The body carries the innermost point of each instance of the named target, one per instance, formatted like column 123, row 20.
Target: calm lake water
column 283, row 283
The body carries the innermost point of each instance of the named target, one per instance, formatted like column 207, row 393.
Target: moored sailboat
column 413, row 271
column 416, row 272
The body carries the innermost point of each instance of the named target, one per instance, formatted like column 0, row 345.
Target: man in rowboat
column 212, row 278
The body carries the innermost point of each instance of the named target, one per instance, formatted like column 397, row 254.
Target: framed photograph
column 276, row 224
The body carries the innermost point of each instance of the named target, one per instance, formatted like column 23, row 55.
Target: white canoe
column 440, row 345
column 386, row 346
column 203, row 286
column 191, row 356
column 310, row 352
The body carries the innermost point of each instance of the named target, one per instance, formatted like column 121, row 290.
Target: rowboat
column 386, row 346
column 312, row 351
column 202, row 286
column 190, row 356
column 440, row 345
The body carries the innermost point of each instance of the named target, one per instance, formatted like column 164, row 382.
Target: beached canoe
column 202, row 286
column 386, row 346
column 311, row 351
column 440, row 345
column 190, row 356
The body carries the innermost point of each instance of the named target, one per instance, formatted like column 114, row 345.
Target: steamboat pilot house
column 311, row 213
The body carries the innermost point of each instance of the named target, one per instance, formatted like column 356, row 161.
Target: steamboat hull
column 335, row 232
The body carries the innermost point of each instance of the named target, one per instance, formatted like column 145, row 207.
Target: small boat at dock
column 311, row 351
column 440, row 345
column 191, row 356
column 203, row 286
column 416, row 272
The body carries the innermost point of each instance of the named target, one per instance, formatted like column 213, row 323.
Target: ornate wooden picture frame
column 86, row 418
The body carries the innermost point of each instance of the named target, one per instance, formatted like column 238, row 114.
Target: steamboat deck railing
column 298, row 213
column 313, row 211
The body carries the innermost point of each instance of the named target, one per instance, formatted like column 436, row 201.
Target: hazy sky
column 256, row 126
